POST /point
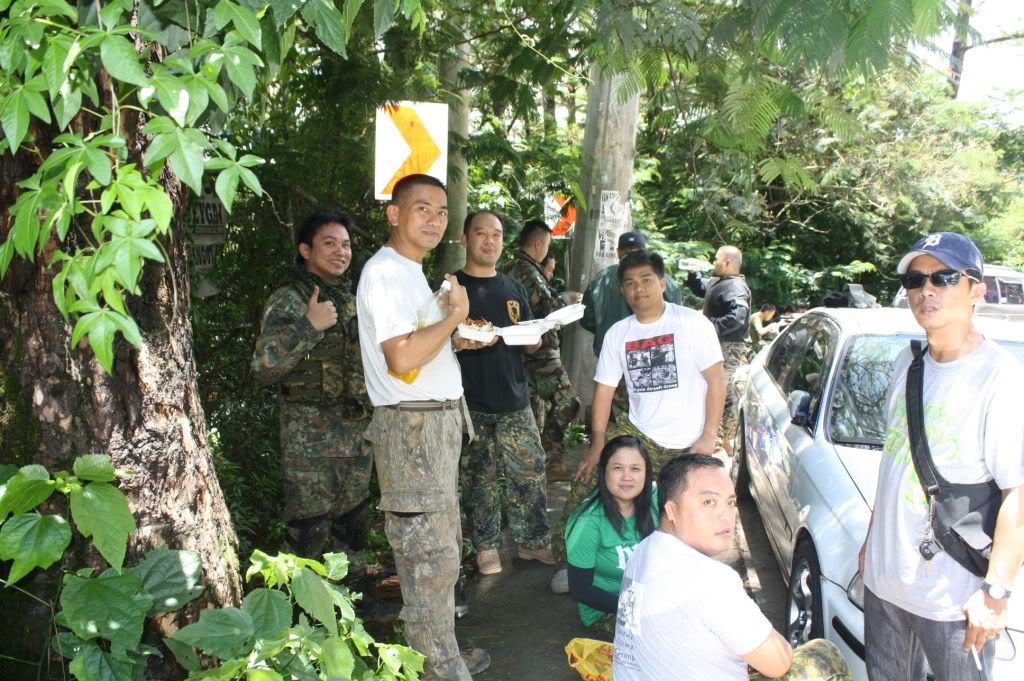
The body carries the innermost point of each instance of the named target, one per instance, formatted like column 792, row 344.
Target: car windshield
column 857, row 414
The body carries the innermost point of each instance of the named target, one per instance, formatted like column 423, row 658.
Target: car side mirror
column 799, row 404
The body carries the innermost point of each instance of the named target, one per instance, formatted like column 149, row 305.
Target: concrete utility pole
column 609, row 146
column 451, row 255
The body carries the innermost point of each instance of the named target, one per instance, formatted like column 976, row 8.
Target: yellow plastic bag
column 591, row 659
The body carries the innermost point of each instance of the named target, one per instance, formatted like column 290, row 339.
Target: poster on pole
column 205, row 222
column 412, row 138
column 560, row 213
column 614, row 219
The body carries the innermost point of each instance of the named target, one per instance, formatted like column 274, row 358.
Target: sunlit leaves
column 32, row 540
column 100, row 511
column 122, row 61
column 328, row 22
column 183, row 147
column 242, row 18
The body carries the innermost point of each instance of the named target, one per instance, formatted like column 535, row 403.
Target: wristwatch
column 995, row 591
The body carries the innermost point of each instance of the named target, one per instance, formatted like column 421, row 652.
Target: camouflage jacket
column 543, row 301
column 312, row 367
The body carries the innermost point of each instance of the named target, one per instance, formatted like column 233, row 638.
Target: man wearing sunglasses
column 918, row 605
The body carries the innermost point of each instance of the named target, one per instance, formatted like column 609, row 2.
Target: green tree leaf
column 313, row 596
column 25, row 490
column 242, row 18
column 262, row 675
column 227, row 185
column 338, row 660
column 122, row 61
column 100, row 511
column 94, row 664
column 184, row 654
column 328, row 23
column 271, row 611
column 383, row 16
column 183, row 146
column 223, row 633
column 94, row 467
column 32, row 540
column 337, row 566
column 14, row 117
column 108, row 606
column 172, row 578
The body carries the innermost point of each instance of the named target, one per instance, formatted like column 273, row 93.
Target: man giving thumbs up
column 309, row 347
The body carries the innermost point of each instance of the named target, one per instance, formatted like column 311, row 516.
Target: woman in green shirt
column 602, row 532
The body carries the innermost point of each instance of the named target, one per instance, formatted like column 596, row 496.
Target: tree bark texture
column 961, row 33
column 609, row 146
column 451, row 255
column 146, row 415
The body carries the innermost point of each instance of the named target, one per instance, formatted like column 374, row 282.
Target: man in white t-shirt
column 671, row 360
column 684, row 615
column 415, row 385
column 918, row 610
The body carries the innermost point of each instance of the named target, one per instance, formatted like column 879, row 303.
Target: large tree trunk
column 146, row 415
column 609, row 145
column 451, row 255
column 961, row 33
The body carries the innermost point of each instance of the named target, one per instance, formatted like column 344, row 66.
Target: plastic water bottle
column 430, row 312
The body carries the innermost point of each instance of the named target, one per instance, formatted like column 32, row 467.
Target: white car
column 1004, row 294
column 808, row 446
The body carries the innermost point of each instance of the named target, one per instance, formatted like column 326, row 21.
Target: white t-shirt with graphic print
column 975, row 433
column 662, row 363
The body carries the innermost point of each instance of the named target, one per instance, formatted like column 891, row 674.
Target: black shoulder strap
column 919, row 451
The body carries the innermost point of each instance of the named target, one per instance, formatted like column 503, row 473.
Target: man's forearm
column 1008, row 543
column 714, row 405
column 419, row 347
column 600, row 412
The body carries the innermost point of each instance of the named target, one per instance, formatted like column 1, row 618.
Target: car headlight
column 855, row 592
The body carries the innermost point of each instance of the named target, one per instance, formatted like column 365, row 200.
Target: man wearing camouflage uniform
column 727, row 304
column 309, row 346
column 497, row 392
column 547, row 378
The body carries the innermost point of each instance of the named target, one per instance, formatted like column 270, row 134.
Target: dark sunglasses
column 942, row 278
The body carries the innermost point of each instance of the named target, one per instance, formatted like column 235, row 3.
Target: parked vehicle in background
column 1004, row 295
column 812, row 423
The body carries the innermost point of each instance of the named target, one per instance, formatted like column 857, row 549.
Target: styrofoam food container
column 567, row 315
column 521, row 335
column 475, row 333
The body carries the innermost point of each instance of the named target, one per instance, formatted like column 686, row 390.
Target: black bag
column 963, row 517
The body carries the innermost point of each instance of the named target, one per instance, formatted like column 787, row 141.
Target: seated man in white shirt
column 684, row 615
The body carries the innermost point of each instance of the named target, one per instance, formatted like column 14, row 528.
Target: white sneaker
column 560, row 581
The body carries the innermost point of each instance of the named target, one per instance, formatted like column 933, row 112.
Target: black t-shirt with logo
column 494, row 377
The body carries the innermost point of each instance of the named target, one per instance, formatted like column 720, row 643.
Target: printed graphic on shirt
column 651, row 363
column 629, row 601
column 623, row 552
column 513, row 310
column 942, row 442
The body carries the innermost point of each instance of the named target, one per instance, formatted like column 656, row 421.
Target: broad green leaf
column 25, row 490
column 343, row 600
column 249, row 161
column 241, row 73
column 32, row 540
column 94, row 664
column 36, row 103
column 172, row 578
column 383, row 16
column 159, row 206
column 328, row 22
column 14, row 117
column 184, row 148
column 198, row 99
column 99, row 165
column 7, row 471
column 67, row 105
column 262, row 675
column 337, row 566
column 313, row 596
column 100, row 511
column 217, row 94
column 284, row 10
column 338, row 660
column 184, row 654
column 95, row 468
column 223, row 633
column 227, row 185
column 242, row 18
column 122, row 61
column 173, row 97
column 350, row 12
column 250, row 180
column 271, row 611
column 108, row 606
column 66, row 644
column 54, row 64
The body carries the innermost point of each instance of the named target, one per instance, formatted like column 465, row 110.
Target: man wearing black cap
column 921, row 606
column 603, row 298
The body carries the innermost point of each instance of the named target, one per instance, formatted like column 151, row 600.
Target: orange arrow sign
column 423, row 151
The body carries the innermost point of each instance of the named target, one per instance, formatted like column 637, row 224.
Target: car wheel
column 740, row 466
column 802, row 614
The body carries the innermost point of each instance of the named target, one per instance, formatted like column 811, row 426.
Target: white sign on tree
column 412, row 137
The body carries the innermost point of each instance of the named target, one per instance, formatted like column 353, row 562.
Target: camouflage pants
column 317, row 485
column 417, row 457
column 509, row 440
column 581, row 489
column 553, row 401
column 817, row 660
column 734, row 355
